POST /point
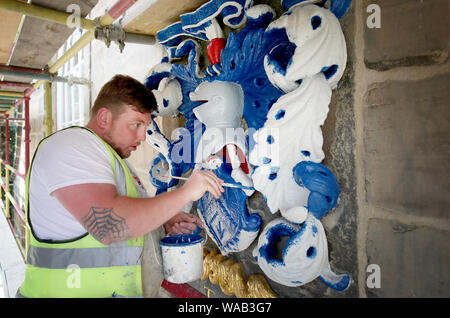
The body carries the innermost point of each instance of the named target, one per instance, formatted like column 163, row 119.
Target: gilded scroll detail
column 231, row 279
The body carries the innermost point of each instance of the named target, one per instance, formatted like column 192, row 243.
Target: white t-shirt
column 69, row 157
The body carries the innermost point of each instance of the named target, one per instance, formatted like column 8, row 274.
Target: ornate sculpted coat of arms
column 254, row 112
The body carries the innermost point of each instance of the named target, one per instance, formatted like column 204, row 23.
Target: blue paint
column 181, row 240
column 198, row 229
column 339, row 286
column 322, row 184
column 270, row 139
column 287, row 4
column 227, row 216
column 306, row 153
column 338, row 7
column 280, row 114
column 273, row 172
column 280, row 57
column 149, row 132
column 165, row 102
column 316, row 22
column 314, row 230
column 297, row 282
column 226, row 8
column 266, row 160
column 268, row 250
column 152, row 82
column 311, row 252
column 329, row 71
column 242, row 62
column 183, row 252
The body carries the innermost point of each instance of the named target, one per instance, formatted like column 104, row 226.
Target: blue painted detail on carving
column 322, row 184
column 174, row 34
column 306, row 153
column 339, row 286
column 314, row 229
column 268, row 250
column 227, row 216
column 242, row 62
column 273, row 176
column 165, row 102
column 338, row 7
column 282, row 50
column 280, row 114
column 287, row 4
column 329, row 71
column 270, row 139
column 266, row 160
column 162, row 186
column 179, row 166
column 231, row 11
column 311, row 252
column 152, row 81
column 249, row 47
column 316, row 22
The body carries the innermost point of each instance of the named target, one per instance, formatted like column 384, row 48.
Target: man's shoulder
column 73, row 139
column 72, row 136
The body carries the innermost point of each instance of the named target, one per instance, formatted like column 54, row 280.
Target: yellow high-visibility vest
column 83, row 267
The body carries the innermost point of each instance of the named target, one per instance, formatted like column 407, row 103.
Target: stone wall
column 402, row 121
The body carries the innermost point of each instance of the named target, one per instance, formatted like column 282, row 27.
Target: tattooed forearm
column 106, row 226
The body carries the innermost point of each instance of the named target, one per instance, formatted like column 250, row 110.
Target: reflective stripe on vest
column 84, row 257
column 84, row 267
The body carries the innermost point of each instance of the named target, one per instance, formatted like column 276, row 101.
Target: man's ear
column 104, row 117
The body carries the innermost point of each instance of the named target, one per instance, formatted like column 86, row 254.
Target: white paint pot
column 182, row 257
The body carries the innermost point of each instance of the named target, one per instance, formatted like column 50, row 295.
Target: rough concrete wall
column 402, row 146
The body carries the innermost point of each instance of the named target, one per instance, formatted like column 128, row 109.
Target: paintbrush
column 229, row 185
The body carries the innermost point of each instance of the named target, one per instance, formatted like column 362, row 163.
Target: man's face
column 127, row 130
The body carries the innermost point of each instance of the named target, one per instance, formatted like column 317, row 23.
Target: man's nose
column 142, row 134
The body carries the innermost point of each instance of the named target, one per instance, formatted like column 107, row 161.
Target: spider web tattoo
column 105, row 225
